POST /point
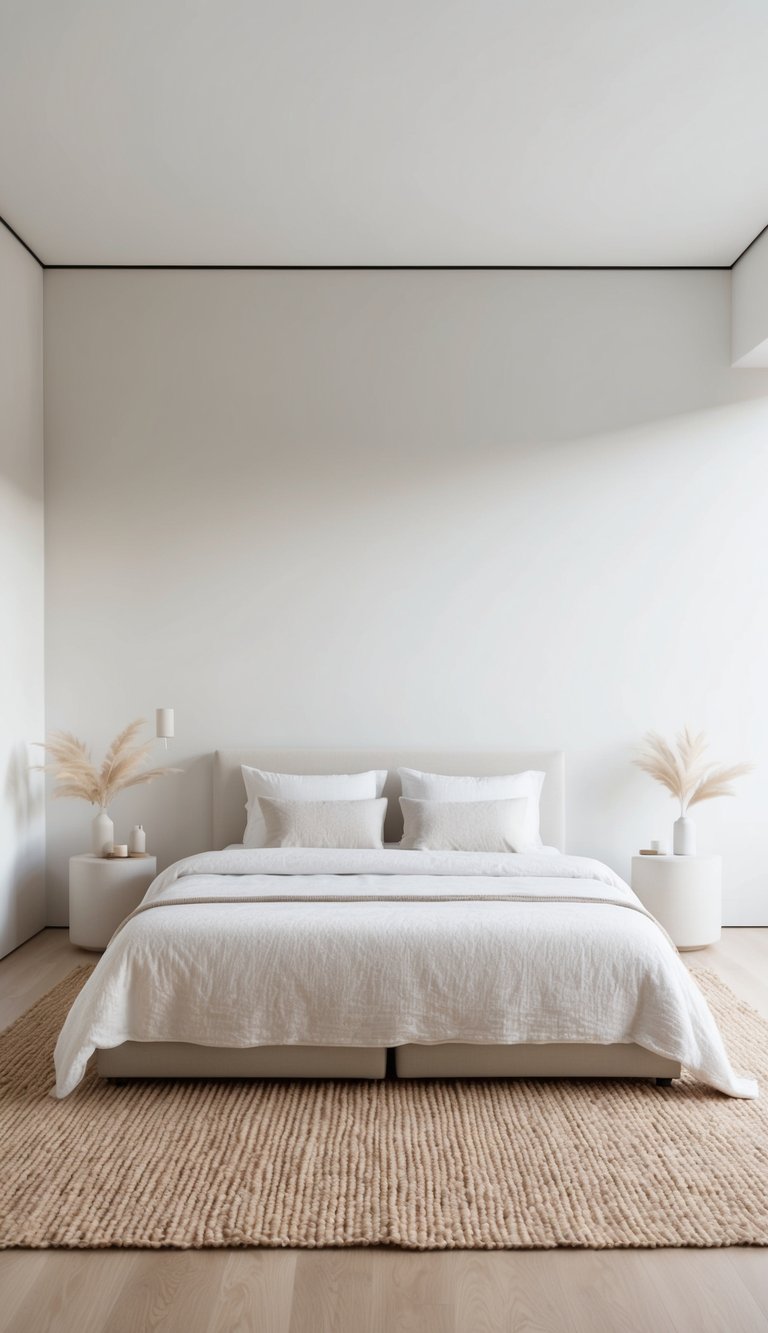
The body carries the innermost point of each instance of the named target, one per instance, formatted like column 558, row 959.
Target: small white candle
column 164, row 723
column 120, row 849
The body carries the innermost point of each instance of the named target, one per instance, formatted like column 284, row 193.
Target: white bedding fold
column 291, row 946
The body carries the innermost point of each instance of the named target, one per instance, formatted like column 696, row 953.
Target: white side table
column 684, row 893
column 102, row 893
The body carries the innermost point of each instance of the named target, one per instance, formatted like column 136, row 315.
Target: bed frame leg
column 663, row 1082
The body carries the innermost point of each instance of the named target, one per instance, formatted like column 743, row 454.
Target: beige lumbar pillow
column 464, row 826
column 324, row 823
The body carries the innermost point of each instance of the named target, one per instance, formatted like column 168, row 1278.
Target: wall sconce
column 164, row 725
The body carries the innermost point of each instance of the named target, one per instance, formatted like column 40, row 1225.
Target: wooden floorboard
column 376, row 1290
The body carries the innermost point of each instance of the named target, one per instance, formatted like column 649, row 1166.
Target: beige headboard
column 229, row 792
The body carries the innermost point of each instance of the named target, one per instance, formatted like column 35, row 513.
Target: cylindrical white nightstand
column 684, row 893
column 102, row 893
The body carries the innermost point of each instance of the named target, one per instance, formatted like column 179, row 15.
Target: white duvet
column 298, row 946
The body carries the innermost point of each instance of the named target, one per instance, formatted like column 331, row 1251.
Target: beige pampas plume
column 78, row 777
column 683, row 769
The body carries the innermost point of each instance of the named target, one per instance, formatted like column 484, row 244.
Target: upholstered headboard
column 229, row 792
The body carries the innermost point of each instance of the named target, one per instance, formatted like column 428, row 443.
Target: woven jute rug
column 422, row 1165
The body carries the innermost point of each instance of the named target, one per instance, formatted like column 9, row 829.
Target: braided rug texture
column 421, row 1165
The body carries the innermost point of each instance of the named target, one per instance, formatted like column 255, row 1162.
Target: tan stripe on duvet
column 212, row 899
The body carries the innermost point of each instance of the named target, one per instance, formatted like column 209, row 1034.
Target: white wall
column 450, row 509
column 22, row 828
column 749, row 307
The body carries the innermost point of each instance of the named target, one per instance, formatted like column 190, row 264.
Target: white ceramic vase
column 137, row 840
column 684, row 837
column 102, row 833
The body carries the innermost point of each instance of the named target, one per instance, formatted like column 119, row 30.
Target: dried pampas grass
column 685, row 771
column 78, row 777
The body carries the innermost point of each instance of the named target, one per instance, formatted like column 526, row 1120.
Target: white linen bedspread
column 383, row 947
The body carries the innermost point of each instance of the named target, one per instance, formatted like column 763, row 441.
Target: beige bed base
column 453, row 1060
column 165, row 1059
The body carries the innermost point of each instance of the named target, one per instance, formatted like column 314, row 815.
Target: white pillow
column 303, row 787
column 464, row 826
column 324, row 823
column 441, row 787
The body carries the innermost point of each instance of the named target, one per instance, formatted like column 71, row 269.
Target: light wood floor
column 382, row 1291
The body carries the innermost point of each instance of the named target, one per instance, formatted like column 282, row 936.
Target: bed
column 299, row 963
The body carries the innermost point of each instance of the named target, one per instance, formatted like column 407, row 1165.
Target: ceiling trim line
column 21, row 241
column 762, row 232
column 400, row 268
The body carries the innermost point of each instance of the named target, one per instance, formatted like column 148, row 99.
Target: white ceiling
column 397, row 132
